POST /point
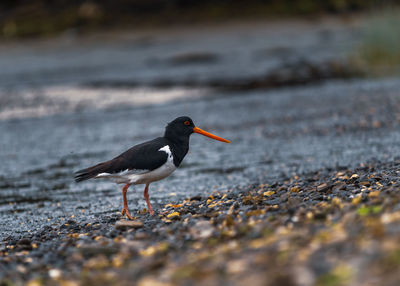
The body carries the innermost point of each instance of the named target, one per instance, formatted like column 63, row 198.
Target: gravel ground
column 328, row 227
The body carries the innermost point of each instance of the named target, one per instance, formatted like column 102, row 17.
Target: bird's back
column 139, row 159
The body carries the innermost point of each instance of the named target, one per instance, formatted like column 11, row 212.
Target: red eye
column 186, row 122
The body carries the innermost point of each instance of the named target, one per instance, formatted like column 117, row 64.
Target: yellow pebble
column 269, row 193
column 295, row 189
column 174, row 214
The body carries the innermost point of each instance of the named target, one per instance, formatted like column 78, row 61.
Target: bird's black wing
column 140, row 158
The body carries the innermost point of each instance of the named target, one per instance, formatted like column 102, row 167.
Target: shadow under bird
column 148, row 162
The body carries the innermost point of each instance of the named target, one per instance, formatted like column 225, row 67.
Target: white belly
column 153, row 176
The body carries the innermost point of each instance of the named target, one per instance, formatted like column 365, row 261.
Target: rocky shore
column 330, row 227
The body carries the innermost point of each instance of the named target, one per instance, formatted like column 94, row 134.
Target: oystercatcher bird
column 148, row 162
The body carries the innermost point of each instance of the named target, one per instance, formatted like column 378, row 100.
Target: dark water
column 227, row 51
column 274, row 133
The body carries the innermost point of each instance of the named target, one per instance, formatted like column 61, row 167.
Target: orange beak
column 205, row 133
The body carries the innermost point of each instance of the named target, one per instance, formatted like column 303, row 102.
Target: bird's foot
column 151, row 212
column 126, row 212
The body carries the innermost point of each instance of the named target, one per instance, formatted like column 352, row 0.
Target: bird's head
column 183, row 127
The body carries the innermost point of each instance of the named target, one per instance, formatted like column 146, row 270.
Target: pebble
column 124, row 224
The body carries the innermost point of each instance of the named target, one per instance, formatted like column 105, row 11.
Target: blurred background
column 183, row 48
column 24, row 18
column 295, row 85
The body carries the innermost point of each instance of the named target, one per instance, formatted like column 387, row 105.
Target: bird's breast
column 157, row 174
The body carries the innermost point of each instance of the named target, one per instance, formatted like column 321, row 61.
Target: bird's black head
column 179, row 129
column 182, row 127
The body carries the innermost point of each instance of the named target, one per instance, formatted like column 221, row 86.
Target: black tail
column 91, row 172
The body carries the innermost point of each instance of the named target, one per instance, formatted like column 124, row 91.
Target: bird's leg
column 125, row 210
column 146, row 197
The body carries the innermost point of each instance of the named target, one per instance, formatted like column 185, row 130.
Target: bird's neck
column 179, row 146
column 176, row 138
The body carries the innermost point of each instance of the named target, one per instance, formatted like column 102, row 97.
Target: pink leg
column 125, row 209
column 146, row 197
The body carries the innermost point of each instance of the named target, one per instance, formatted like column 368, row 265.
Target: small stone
column 255, row 213
column 151, row 250
column 295, row 189
column 365, row 183
column 323, row 187
column 118, row 260
column 174, row 206
column 124, row 224
column 236, row 266
column 269, row 193
column 196, row 198
column 336, row 201
column 24, row 241
column 282, row 188
column 55, row 273
column 356, row 200
column 374, row 194
column 24, row 244
column 98, row 262
column 173, row 215
column 201, row 230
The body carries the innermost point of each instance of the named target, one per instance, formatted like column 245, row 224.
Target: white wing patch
column 167, row 150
